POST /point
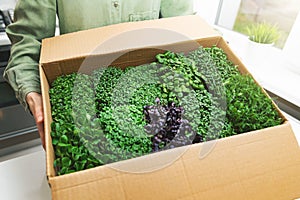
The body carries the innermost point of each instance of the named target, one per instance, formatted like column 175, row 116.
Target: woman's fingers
column 35, row 103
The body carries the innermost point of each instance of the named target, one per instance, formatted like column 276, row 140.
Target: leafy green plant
column 248, row 107
column 222, row 64
column 104, row 80
column 115, row 114
column 68, row 109
column 263, row 32
column 202, row 79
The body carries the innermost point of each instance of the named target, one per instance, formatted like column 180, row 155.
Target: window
column 279, row 72
column 281, row 13
column 236, row 15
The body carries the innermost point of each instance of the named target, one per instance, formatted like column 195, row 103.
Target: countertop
column 24, row 176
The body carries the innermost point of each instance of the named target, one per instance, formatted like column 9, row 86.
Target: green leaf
column 66, row 162
column 64, row 139
column 63, row 144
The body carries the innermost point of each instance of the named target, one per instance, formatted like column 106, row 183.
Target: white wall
column 291, row 48
column 207, row 9
column 7, row 4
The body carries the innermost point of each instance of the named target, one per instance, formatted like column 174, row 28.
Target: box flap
column 130, row 35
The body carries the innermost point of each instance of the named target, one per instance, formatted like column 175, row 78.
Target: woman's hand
column 35, row 103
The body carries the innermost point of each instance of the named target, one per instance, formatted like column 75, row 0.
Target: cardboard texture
column 263, row 164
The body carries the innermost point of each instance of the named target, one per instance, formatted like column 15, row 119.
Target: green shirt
column 36, row 20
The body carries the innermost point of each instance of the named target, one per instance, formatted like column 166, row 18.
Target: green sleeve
column 172, row 8
column 33, row 21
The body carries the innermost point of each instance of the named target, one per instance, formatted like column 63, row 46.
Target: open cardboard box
column 263, row 164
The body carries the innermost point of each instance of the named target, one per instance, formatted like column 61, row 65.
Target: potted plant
column 263, row 33
column 262, row 37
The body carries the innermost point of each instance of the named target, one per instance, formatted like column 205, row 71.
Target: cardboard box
column 263, row 164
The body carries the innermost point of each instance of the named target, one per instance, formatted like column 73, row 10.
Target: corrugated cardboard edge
column 128, row 57
column 47, row 124
column 70, row 45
